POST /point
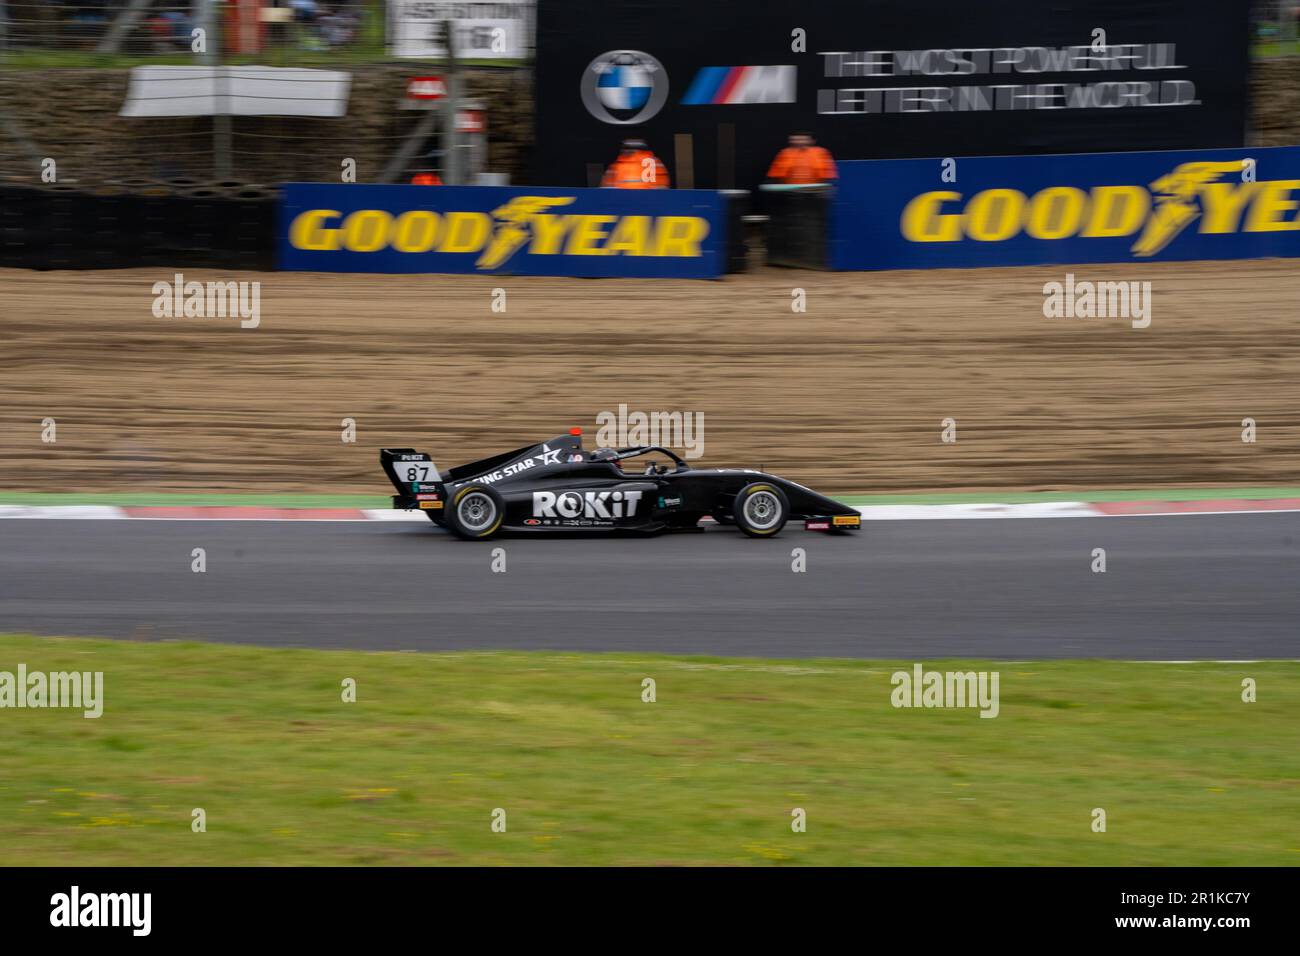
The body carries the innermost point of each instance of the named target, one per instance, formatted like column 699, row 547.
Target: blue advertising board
column 542, row 231
column 1100, row 207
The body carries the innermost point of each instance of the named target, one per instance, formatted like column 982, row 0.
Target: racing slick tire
column 761, row 509
column 475, row 512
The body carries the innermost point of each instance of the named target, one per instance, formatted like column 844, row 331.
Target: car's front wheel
column 761, row 509
column 475, row 512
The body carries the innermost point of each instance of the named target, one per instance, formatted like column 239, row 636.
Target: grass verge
column 587, row 773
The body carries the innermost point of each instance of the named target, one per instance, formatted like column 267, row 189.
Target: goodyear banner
column 1104, row 207
column 538, row 231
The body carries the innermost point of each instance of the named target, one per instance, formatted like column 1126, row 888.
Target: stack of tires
column 180, row 223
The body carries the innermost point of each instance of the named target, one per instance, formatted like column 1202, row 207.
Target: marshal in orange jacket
column 802, row 166
column 636, row 169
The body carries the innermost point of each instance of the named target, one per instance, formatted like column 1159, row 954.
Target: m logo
column 733, row 85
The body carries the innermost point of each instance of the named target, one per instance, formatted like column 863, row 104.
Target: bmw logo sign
column 624, row 86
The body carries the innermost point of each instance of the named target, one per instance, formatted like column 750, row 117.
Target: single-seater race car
column 558, row 486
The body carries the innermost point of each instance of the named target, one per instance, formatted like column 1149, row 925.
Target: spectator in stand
column 305, row 11
column 636, row 168
column 802, row 163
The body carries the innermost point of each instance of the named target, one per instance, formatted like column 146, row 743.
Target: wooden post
column 726, row 156
column 684, row 163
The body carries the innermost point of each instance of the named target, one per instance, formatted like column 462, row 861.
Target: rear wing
column 409, row 470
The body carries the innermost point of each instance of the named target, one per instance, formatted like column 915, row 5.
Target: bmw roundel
column 624, row 87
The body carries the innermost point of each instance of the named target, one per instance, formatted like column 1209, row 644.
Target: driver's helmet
column 604, row 454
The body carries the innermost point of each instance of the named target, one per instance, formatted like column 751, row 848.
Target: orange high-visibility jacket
column 802, row 165
column 629, row 172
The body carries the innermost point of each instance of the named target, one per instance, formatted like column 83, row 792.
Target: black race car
column 558, row 486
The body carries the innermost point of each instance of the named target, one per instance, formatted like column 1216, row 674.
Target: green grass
column 589, row 774
column 1265, row 49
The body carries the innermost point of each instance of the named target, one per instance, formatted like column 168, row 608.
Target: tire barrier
column 186, row 223
column 180, row 223
column 737, row 207
column 798, row 227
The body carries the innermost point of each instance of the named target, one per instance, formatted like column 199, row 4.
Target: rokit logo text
column 586, row 504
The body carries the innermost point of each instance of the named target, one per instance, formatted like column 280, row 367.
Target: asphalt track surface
column 1176, row 588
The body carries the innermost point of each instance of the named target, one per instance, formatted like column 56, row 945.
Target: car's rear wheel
column 475, row 512
column 761, row 509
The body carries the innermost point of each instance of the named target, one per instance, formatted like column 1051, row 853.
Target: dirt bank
column 849, row 396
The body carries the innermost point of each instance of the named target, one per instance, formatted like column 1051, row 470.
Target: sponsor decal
column 1154, row 215
column 669, row 502
column 430, row 505
column 848, row 520
column 530, row 223
column 817, row 526
column 531, row 521
column 624, row 87
column 1131, row 80
column 427, row 497
column 548, row 456
column 736, row 85
column 416, row 470
column 585, row 504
